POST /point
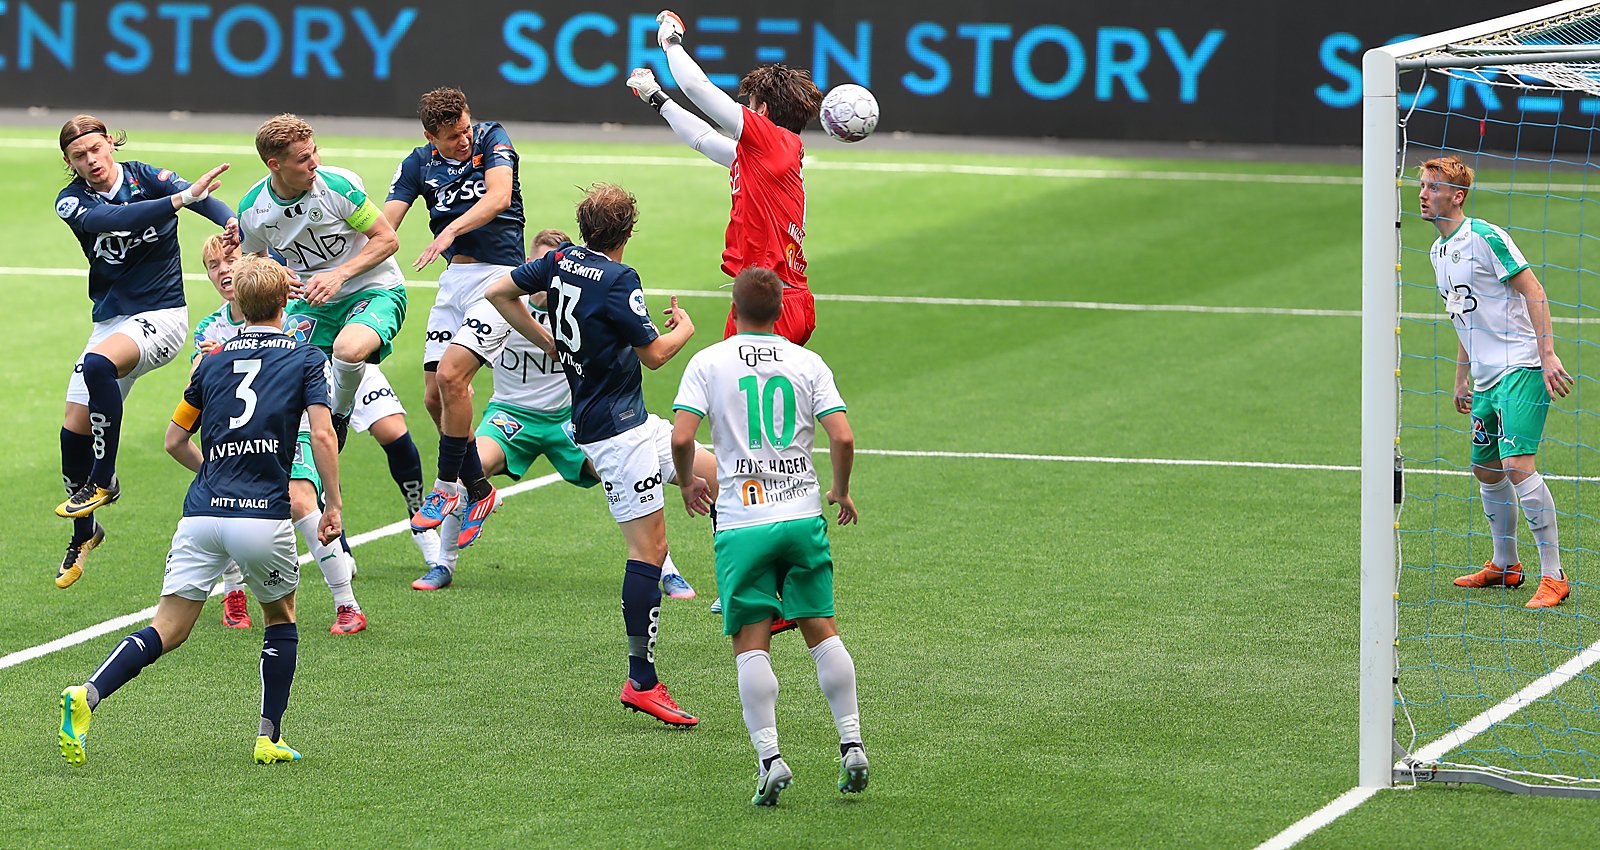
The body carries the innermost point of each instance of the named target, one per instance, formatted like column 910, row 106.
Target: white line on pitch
column 1341, row 805
column 118, row 623
column 813, row 163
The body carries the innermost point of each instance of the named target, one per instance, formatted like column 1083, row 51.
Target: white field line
column 1318, row 819
column 813, row 163
column 118, row 623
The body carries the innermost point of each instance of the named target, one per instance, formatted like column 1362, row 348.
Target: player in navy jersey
column 124, row 215
column 246, row 399
column 602, row 332
column 467, row 175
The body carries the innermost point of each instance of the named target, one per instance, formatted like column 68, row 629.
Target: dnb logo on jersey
column 507, row 425
column 300, row 327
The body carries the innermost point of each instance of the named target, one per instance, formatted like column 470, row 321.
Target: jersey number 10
column 759, row 410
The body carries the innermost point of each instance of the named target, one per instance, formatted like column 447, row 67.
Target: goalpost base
column 1417, row 774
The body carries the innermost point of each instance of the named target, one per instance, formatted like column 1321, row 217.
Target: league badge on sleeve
column 636, row 301
column 66, row 207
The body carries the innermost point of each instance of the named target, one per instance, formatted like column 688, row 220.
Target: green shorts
column 383, row 310
column 302, row 467
column 1508, row 418
column 525, row 434
column 783, row 569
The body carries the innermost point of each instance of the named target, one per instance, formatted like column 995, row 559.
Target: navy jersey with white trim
column 451, row 188
column 250, row 394
column 131, row 238
column 598, row 316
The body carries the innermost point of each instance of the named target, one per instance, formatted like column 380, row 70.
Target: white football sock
column 758, row 693
column 836, row 673
column 232, row 578
column 448, row 531
column 668, row 568
column 428, row 543
column 331, row 559
column 346, row 380
column 1540, row 509
column 1498, row 506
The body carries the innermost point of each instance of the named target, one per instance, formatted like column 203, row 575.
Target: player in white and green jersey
column 762, row 394
column 323, row 225
column 1506, row 373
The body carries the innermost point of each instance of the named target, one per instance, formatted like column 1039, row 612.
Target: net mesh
column 1484, row 683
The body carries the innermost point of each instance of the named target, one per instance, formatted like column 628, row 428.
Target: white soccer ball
column 849, row 113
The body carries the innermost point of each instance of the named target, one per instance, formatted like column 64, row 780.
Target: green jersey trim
column 249, row 199
column 1498, row 246
column 1453, row 233
column 348, row 190
column 282, row 202
column 755, row 333
column 822, row 413
column 689, row 409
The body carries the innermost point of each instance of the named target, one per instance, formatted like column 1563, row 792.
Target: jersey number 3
column 249, row 369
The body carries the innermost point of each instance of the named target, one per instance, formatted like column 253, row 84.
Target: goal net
column 1469, row 683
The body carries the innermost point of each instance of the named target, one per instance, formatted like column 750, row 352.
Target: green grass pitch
column 1051, row 654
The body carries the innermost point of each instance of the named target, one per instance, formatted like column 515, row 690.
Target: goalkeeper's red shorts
column 797, row 319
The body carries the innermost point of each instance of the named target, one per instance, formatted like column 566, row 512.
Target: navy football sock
column 105, row 415
column 641, row 613
column 405, row 467
column 134, row 653
column 451, row 450
column 478, row 486
column 279, row 649
column 77, row 458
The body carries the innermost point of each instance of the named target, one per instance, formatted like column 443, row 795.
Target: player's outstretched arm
column 506, row 297
column 665, row 347
column 842, row 456
column 714, row 102
column 496, row 200
column 697, row 495
column 690, row 128
column 325, row 455
column 1556, row 379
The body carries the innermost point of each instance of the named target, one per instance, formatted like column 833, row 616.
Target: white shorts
column 203, row 545
column 460, row 286
column 484, row 332
column 160, row 335
column 375, row 399
column 634, row 466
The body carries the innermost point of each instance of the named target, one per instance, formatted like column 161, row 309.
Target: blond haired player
column 1506, row 372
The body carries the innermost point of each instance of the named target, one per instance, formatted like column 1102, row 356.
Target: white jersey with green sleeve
column 317, row 231
column 1473, row 267
column 763, row 395
column 525, row 377
column 218, row 327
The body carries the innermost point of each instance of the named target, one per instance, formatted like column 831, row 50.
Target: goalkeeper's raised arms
column 671, row 28
column 643, row 82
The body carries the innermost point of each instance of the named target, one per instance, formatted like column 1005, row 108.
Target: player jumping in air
column 247, row 399
column 762, row 393
column 320, row 220
column 305, row 488
column 1506, row 372
column 767, row 224
column 124, row 215
column 602, row 333
column 467, row 176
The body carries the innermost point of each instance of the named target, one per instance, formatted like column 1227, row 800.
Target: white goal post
column 1552, row 51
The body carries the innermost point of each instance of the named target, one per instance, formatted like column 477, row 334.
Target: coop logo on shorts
column 1480, row 433
column 507, row 425
column 636, row 301
column 648, row 484
column 66, row 206
column 300, row 327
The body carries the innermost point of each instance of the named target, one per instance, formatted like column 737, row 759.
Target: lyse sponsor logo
column 113, row 247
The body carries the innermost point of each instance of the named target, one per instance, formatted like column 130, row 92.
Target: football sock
column 758, row 694
column 451, row 450
column 1498, row 506
column 330, row 558
column 405, row 467
column 641, row 613
column 449, row 551
column 1540, row 509
column 232, row 578
column 836, row 673
column 346, row 380
column 279, row 649
column 105, row 415
column 428, row 544
column 77, row 458
column 478, row 486
column 668, row 568
column 134, row 653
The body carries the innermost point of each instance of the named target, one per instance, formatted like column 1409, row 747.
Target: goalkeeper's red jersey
column 767, row 223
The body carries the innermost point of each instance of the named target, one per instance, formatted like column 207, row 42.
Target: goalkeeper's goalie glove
column 671, row 30
column 643, row 82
